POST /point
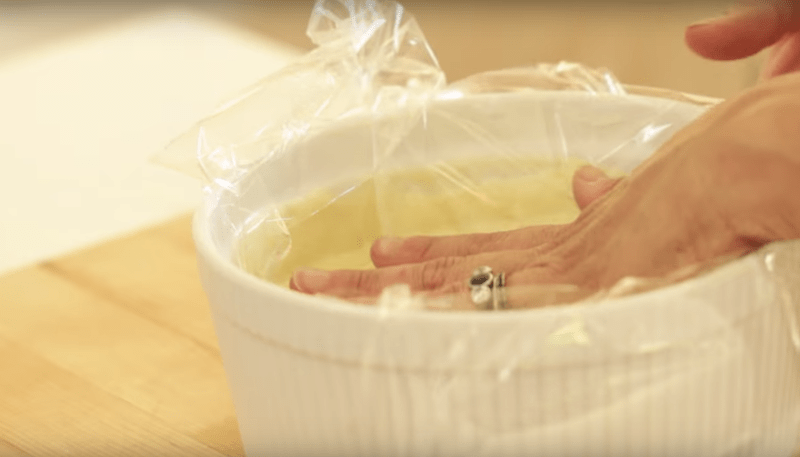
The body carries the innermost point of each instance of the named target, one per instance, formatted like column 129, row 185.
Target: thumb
column 744, row 31
column 589, row 184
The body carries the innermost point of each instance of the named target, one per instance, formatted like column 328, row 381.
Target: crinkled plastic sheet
column 708, row 366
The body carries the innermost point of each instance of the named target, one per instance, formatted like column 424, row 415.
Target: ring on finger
column 487, row 290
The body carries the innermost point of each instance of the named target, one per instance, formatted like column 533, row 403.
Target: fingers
column 524, row 290
column 445, row 274
column 397, row 251
column 589, row 184
column 744, row 32
column 784, row 58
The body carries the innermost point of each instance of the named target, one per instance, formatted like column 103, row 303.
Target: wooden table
column 111, row 351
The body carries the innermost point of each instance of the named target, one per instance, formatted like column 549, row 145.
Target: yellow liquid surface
column 334, row 228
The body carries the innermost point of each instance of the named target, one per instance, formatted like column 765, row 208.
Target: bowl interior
column 612, row 131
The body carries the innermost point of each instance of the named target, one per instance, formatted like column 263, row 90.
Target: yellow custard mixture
column 334, row 228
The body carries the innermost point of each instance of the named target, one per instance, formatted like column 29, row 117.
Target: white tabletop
column 81, row 116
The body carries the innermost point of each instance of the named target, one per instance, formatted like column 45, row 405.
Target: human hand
column 725, row 185
column 750, row 28
column 588, row 185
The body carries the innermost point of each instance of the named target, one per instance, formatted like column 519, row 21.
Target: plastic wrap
column 373, row 67
column 363, row 131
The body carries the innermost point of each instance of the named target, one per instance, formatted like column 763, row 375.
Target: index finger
column 744, row 32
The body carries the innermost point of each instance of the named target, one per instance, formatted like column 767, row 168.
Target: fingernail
column 388, row 246
column 590, row 174
column 311, row 280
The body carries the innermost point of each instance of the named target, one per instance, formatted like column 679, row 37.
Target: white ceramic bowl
column 706, row 367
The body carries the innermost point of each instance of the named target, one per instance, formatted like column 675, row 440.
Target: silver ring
column 487, row 290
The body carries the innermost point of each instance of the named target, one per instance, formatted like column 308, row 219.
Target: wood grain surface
column 111, row 351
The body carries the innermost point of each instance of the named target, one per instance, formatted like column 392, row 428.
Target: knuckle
column 436, row 273
column 363, row 280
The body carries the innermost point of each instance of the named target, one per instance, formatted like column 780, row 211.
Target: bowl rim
column 206, row 250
